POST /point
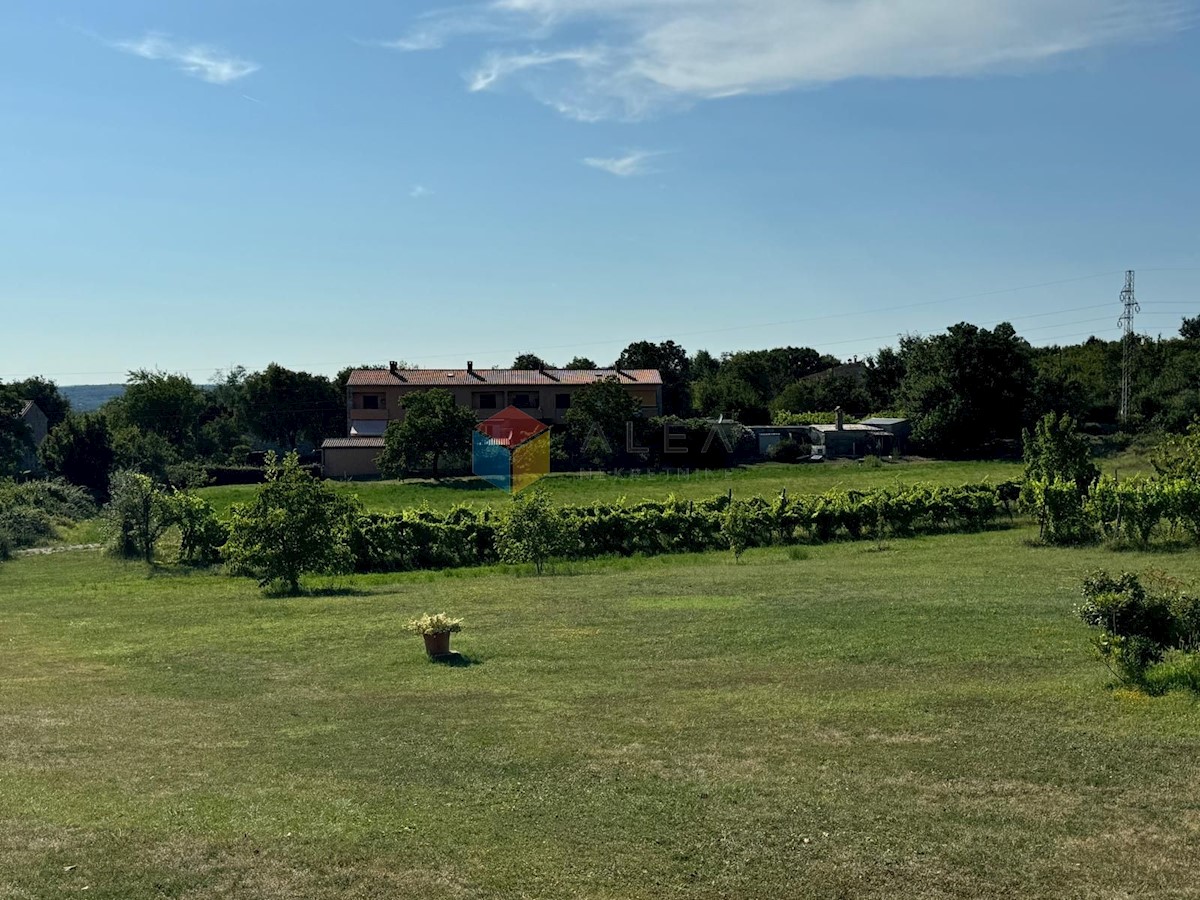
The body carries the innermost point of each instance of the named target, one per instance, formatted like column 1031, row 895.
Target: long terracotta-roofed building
column 375, row 397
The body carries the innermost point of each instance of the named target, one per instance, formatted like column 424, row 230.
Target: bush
column 1138, row 626
column 531, row 531
column 136, row 515
column 201, row 534
column 30, row 511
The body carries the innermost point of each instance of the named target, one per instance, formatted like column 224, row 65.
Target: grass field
column 923, row 722
column 762, row 480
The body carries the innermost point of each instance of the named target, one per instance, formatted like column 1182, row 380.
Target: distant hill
column 90, row 397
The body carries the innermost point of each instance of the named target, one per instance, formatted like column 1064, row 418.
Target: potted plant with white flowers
column 436, row 631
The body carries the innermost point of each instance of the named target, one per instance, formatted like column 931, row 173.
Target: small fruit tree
column 296, row 525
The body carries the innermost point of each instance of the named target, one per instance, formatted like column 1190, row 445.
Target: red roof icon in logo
column 510, row 427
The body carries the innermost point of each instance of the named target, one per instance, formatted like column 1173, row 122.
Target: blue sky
column 194, row 185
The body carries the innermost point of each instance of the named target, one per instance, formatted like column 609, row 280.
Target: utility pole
column 1126, row 323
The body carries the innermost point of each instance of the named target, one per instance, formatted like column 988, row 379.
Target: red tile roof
column 498, row 377
column 510, row 427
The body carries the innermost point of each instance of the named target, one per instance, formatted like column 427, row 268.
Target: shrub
column 136, row 516
column 295, row 525
column 531, row 531
column 1137, row 627
column 201, row 534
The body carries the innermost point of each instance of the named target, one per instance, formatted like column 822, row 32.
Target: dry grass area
column 922, row 722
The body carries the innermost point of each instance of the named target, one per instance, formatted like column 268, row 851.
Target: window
column 487, row 401
column 373, row 401
column 525, row 401
column 562, row 401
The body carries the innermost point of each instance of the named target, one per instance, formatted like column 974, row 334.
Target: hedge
column 423, row 539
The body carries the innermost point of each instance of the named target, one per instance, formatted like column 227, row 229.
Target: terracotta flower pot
column 437, row 644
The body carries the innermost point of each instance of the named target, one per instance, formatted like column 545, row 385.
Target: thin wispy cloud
column 649, row 55
column 198, row 60
column 627, row 166
column 418, row 191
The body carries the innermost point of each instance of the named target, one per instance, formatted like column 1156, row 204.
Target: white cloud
column 649, row 54
column 206, row 63
column 623, row 166
column 418, row 191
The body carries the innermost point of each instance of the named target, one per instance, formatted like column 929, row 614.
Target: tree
column 46, row 395
column 580, row 362
column 136, row 516
column 434, row 425
column 296, row 525
column 597, row 420
column 15, row 439
column 1056, row 451
column 885, row 373
column 825, row 393
column 283, row 407
column 1190, row 329
column 966, row 388
column 671, row 361
column 703, row 365
column 531, row 530
column 164, row 404
column 80, row 450
column 530, row 362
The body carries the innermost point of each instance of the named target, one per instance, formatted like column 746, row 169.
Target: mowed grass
column 923, row 722
column 761, row 480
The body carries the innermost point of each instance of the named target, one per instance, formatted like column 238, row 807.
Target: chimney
column 840, row 420
column 470, row 366
column 394, row 367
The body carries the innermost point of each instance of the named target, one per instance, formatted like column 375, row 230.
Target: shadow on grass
column 281, row 592
column 456, row 660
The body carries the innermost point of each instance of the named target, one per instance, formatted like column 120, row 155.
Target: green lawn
column 922, row 722
column 762, row 480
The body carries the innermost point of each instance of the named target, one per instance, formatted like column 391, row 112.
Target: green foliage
column 296, row 525
column 530, row 362
column 966, row 388
column 531, row 530
column 830, row 391
column 15, row 439
column 580, row 363
column 167, row 405
column 434, row 426
column 1179, row 455
column 201, row 533
column 1059, row 509
column 285, row 407
column 671, row 361
column 46, row 395
column 80, row 450
column 438, row 623
column 1057, row 451
column 1189, row 329
column 1136, row 627
column 597, row 421
column 30, row 510
column 739, row 528
column 137, row 514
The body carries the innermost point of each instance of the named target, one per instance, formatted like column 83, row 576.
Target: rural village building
column 375, row 397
